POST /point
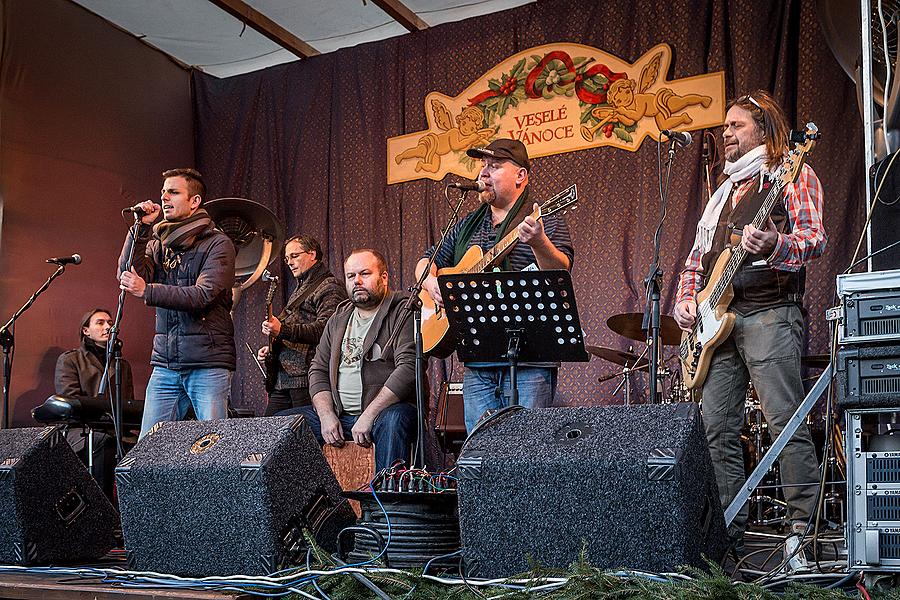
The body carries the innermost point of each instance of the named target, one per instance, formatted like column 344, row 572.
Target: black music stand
column 513, row 317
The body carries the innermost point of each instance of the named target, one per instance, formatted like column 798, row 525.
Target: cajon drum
column 353, row 466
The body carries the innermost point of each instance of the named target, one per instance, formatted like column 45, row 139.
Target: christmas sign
column 557, row 98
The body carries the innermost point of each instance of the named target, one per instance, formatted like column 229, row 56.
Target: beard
column 487, row 196
column 360, row 297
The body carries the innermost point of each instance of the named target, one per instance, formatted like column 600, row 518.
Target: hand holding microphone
column 147, row 210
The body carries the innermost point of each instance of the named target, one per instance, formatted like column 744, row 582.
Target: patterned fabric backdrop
column 308, row 139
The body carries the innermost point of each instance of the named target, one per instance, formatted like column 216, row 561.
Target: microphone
column 75, row 259
column 473, row 186
column 681, row 137
column 136, row 209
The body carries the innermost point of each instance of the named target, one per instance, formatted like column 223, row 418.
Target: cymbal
column 619, row 357
column 815, row 361
column 629, row 325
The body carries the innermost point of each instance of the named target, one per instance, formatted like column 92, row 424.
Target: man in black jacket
column 297, row 329
column 185, row 268
column 78, row 371
column 78, row 375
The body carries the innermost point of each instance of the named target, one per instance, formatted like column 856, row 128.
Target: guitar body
column 713, row 326
column 271, row 364
column 435, row 326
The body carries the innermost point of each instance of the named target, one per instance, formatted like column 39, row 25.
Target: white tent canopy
column 204, row 33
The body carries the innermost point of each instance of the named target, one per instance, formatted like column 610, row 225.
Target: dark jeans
column 393, row 432
column 280, row 400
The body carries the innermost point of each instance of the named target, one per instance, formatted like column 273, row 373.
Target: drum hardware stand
column 626, row 377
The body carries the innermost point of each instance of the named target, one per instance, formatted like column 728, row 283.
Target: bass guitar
column 271, row 358
column 714, row 323
column 435, row 326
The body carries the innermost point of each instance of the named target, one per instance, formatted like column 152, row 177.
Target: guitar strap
column 313, row 286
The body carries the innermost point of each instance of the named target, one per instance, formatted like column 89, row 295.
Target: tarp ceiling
column 200, row 34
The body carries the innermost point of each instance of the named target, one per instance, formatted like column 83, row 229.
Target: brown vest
column 756, row 286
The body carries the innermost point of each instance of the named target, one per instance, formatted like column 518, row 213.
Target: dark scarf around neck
column 177, row 236
column 468, row 229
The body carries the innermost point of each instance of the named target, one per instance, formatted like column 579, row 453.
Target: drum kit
column 629, row 325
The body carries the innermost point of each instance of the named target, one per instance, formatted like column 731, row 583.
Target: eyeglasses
column 751, row 100
column 295, row 255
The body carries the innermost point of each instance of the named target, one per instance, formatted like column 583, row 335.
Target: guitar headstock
column 273, row 284
column 794, row 160
column 560, row 201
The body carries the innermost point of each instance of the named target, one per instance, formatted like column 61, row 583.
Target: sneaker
column 794, row 557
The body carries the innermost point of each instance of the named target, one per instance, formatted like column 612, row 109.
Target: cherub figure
column 431, row 146
column 664, row 105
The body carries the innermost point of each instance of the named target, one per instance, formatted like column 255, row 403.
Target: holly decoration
column 554, row 74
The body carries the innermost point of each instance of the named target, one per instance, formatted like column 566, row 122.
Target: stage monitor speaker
column 202, row 498
column 886, row 216
column 633, row 485
column 51, row 510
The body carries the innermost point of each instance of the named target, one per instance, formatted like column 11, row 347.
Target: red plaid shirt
column 805, row 241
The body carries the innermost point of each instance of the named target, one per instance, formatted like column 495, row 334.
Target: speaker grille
column 889, row 545
column 884, row 508
column 881, row 385
column 881, row 326
column 883, row 470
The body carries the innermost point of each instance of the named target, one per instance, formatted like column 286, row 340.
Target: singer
column 766, row 342
column 184, row 267
column 544, row 243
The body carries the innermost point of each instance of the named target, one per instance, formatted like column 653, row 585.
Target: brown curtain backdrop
column 90, row 118
column 309, row 140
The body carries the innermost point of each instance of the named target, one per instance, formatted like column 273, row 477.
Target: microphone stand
column 414, row 306
column 653, row 281
column 115, row 399
column 8, row 342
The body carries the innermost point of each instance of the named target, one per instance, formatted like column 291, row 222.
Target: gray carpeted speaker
column 633, row 485
column 51, row 510
column 226, row 497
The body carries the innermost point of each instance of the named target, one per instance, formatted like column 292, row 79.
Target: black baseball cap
column 513, row 150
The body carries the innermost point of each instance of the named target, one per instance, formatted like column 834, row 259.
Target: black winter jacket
column 194, row 329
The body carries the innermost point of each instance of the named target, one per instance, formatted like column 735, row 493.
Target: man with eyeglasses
column 765, row 345
column 543, row 244
column 297, row 329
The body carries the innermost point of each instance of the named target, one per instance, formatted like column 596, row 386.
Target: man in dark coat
column 184, row 267
column 297, row 329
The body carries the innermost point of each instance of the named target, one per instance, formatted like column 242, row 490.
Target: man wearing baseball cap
column 543, row 244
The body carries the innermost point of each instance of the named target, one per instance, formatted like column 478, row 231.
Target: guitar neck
column 494, row 254
column 740, row 255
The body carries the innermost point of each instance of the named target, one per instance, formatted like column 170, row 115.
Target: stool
column 353, row 466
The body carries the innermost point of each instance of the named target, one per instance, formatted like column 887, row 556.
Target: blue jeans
column 170, row 393
column 393, row 431
column 485, row 388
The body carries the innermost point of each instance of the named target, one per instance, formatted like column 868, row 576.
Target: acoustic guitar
column 435, row 326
